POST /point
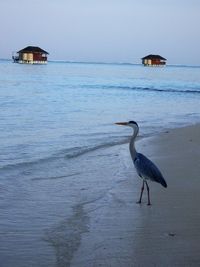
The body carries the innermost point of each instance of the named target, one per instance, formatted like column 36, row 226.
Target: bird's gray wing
column 148, row 170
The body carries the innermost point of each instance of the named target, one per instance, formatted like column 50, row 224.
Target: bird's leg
column 142, row 189
column 149, row 203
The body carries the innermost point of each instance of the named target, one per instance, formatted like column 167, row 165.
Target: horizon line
column 106, row 63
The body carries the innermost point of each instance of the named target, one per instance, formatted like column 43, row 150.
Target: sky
column 103, row 30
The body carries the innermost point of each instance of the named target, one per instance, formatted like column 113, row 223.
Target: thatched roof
column 154, row 57
column 32, row 49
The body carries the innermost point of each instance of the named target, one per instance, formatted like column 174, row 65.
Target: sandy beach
column 123, row 233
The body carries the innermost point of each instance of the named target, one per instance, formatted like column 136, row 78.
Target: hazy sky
column 103, row 30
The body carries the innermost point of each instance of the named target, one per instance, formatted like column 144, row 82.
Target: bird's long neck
column 133, row 151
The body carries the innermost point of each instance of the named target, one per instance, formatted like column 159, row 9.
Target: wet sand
column 167, row 233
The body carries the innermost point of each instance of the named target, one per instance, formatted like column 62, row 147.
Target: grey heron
column 145, row 168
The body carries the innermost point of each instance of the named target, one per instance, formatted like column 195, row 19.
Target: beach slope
column 123, row 233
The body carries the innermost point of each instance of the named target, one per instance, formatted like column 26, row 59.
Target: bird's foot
column 139, row 202
column 148, row 204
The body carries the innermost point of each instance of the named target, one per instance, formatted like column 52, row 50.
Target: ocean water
column 56, row 128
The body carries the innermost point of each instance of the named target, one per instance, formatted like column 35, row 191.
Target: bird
column 145, row 168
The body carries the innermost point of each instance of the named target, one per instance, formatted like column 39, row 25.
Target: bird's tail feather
column 163, row 183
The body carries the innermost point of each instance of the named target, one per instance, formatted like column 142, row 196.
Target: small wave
column 79, row 151
column 67, row 153
column 149, row 89
column 55, row 177
column 190, row 91
column 27, row 164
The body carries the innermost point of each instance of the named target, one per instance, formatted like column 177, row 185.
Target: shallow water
column 57, row 124
column 64, row 109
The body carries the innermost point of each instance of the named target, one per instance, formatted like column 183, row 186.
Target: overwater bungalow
column 154, row 60
column 31, row 55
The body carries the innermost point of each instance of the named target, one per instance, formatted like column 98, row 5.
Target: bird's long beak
column 122, row 123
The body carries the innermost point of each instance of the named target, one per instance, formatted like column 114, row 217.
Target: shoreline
column 123, row 233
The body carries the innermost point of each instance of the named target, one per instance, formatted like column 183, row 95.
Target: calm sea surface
column 55, row 121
